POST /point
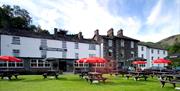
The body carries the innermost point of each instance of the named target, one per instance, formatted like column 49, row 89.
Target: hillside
column 170, row 40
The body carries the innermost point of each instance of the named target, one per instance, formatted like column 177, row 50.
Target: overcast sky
column 146, row 20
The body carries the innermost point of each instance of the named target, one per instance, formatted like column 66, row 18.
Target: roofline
column 152, row 47
column 60, row 38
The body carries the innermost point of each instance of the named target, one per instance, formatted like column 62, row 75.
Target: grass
column 71, row 82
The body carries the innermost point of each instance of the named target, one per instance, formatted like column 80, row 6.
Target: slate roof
column 123, row 37
column 66, row 37
column 151, row 45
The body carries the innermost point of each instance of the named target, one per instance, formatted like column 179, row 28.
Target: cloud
column 79, row 15
column 89, row 15
column 154, row 13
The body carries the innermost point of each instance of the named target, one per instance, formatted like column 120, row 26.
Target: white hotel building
column 65, row 48
column 34, row 47
column 150, row 53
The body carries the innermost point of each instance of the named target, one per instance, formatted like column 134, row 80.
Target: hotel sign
column 52, row 49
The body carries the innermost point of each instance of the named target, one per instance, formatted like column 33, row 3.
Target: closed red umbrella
column 139, row 62
column 10, row 59
column 161, row 61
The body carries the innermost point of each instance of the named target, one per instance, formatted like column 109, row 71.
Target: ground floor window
column 38, row 63
column 142, row 65
column 99, row 65
column 11, row 64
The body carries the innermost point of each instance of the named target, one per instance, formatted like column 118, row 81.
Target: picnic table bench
column 9, row 74
column 51, row 73
column 174, row 81
column 94, row 76
column 83, row 74
column 137, row 75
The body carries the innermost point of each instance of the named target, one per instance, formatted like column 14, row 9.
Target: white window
column 64, row 44
column 76, row 55
column 142, row 48
column 152, row 51
column 142, row 55
column 47, row 64
column 122, row 53
column 64, row 54
column 92, row 47
column 110, row 52
column 40, row 63
column 11, row 64
column 92, row 55
column 43, row 42
column 16, row 52
column 142, row 65
column 157, row 51
column 3, row 64
column 152, row 58
column 164, row 52
column 132, row 44
column 20, row 64
column 35, row 63
column 122, row 43
column 76, row 45
column 110, row 43
column 16, row 40
column 132, row 54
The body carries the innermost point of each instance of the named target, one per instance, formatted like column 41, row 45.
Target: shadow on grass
column 12, row 80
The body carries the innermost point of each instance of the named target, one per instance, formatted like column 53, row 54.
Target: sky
column 145, row 20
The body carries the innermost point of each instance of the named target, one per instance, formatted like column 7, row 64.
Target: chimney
column 80, row 36
column 110, row 32
column 55, row 30
column 120, row 33
column 96, row 32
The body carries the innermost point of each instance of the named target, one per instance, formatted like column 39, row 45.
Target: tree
column 14, row 17
column 17, row 18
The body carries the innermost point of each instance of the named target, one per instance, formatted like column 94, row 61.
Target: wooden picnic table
column 51, row 73
column 95, row 76
column 8, row 73
column 83, row 74
column 175, row 80
column 137, row 75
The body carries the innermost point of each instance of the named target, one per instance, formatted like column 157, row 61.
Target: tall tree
column 14, row 17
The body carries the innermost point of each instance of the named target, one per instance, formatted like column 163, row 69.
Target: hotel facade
column 34, row 47
column 65, row 48
column 150, row 53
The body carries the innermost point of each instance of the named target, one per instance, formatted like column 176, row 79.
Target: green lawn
column 71, row 82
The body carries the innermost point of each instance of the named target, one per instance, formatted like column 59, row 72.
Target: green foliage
column 17, row 18
column 174, row 48
column 14, row 17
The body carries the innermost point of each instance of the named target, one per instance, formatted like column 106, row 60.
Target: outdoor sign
column 52, row 49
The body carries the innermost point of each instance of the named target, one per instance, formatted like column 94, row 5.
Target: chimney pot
column 96, row 32
column 120, row 33
column 110, row 32
column 80, row 36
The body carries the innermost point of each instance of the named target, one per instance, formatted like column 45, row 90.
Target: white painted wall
column 148, row 54
column 29, row 47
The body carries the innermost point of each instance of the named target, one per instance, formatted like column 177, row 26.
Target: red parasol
column 92, row 60
column 10, row 59
column 161, row 61
column 139, row 62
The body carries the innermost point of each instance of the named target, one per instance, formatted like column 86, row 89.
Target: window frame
column 16, row 40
